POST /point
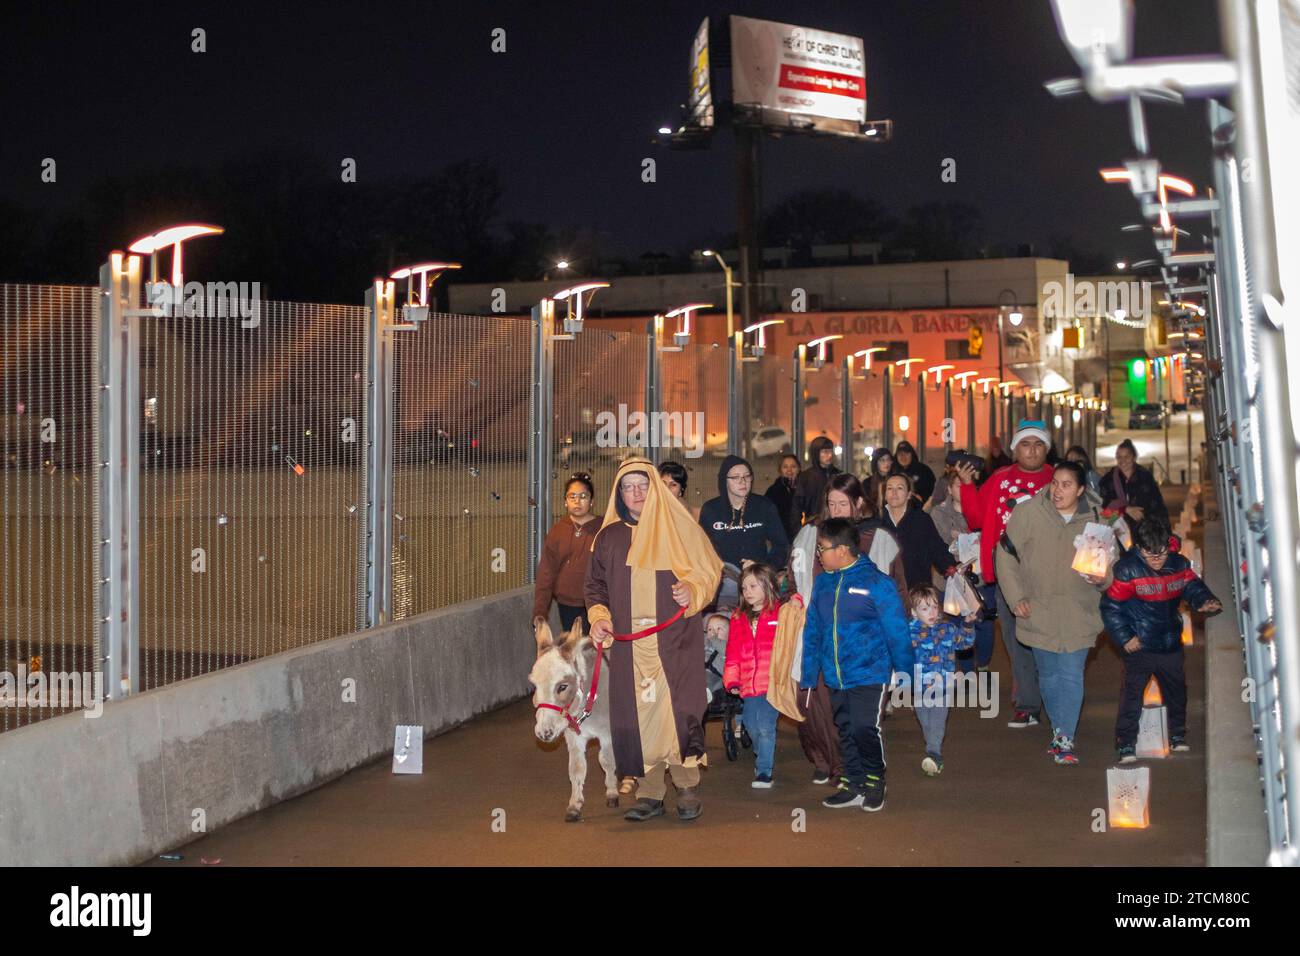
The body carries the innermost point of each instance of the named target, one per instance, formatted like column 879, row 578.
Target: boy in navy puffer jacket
column 1141, row 613
column 855, row 635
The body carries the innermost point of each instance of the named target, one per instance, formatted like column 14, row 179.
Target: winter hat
column 1028, row 428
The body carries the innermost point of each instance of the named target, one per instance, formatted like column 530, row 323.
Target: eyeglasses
column 1153, row 554
column 829, row 547
column 578, row 496
column 641, row 486
column 741, row 478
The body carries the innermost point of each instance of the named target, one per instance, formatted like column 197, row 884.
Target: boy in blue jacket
column 1141, row 613
column 855, row 635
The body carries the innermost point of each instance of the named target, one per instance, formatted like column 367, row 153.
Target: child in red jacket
column 749, row 662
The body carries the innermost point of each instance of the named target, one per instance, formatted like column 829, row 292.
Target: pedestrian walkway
column 1001, row 801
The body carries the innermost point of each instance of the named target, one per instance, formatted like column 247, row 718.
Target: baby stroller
column 722, row 705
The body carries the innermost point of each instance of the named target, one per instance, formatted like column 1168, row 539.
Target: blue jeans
column 933, row 720
column 1025, row 691
column 1060, row 678
column 759, row 718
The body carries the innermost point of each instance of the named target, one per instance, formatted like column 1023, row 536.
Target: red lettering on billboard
column 822, row 81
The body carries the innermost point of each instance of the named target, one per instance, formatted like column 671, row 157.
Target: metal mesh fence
column 461, row 422
column 599, row 385
column 252, row 499
column 47, row 490
column 695, row 386
column 766, row 383
column 868, row 395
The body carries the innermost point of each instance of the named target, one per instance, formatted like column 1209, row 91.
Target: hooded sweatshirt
column 810, row 484
column 754, row 530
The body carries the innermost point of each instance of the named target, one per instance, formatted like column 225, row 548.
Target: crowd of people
column 828, row 593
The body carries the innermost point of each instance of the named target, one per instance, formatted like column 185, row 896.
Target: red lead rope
column 575, row 723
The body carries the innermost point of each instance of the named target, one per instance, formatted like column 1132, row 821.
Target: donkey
column 561, row 678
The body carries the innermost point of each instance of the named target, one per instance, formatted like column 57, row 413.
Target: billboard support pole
column 796, row 402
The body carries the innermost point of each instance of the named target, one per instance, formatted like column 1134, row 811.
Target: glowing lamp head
column 173, row 236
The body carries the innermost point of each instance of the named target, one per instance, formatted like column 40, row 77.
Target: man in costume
column 652, row 571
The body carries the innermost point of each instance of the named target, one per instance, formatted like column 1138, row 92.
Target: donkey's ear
column 542, row 632
column 572, row 639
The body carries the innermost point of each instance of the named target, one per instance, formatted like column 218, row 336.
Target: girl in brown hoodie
column 563, row 565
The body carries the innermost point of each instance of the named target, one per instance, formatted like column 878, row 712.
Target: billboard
column 799, row 71
column 700, row 103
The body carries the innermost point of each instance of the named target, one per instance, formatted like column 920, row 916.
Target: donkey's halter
column 575, row 723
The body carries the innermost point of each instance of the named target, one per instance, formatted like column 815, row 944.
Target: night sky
column 569, row 111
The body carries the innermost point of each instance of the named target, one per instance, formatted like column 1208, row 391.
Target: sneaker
column 933, row 766
column 1179, row 744
column 821, row 777
column 1065, row 751
column 1023, row 718
column 873, row 794
column 845, row 796
column 1054, row 747
column 762, row 781
column 1126, row 754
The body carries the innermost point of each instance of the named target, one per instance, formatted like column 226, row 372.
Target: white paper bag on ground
column 408, row 749
column 1094, row 549
column 1153, row 732
column 958, row 597
column 1128, row 793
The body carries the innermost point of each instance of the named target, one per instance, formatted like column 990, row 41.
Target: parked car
column 1146, row 415
column 769, row 441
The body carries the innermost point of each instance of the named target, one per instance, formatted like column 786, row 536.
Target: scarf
column 666, row 537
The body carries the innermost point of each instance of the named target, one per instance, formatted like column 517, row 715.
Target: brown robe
column 657, row 690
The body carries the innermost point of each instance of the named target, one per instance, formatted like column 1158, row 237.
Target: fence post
column 117, row 446
column 539, row 433
column 949, row 423
column 796, row 403
column 737, row 412
column 846, row 415
column 887, row 402
column 653, row 387
column 920, row 417
column 379, row 453
column 971, row 443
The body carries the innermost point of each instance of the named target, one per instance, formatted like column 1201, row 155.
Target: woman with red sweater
column 749, row 663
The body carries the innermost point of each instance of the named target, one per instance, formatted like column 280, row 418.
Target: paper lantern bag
column 1128, row 792
column 1153, row 732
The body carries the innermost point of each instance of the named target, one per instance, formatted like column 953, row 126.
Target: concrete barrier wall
column 1236, row 828
column 125, row 786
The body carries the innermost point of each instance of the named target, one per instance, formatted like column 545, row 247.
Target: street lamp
column 759, row 345
column 866, row 357
column 726, row 272
column 820, row 345
column 907, row 364
column 1015, row 317
column 683, row 333
column 572, row 298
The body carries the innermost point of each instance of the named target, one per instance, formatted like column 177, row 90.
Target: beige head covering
column 667, row 538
